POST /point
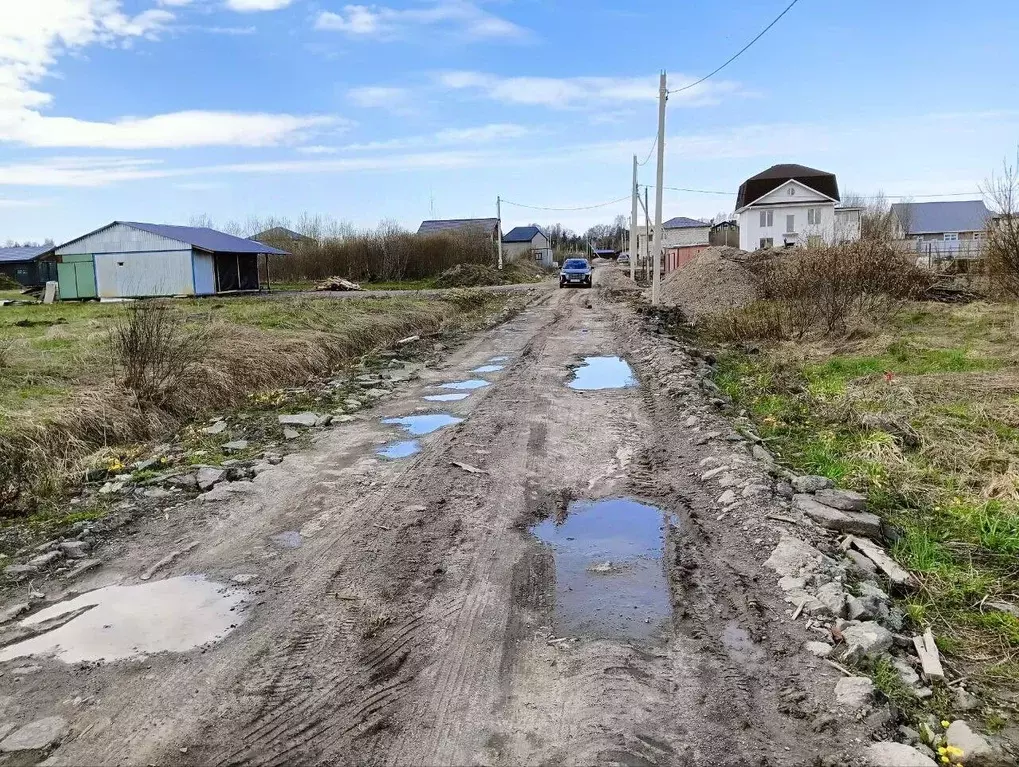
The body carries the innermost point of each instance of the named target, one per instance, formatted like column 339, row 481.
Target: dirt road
column 401, row 613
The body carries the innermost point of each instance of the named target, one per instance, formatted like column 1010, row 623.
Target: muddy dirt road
column 400, row 610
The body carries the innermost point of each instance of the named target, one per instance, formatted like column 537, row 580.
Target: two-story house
column 790, row 205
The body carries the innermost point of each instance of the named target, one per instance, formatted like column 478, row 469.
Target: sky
column 165, row 110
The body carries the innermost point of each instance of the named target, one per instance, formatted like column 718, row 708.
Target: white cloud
column 462, row 18
column 7, row 202
column 482, row 134
column 318, row 149
column 390, row 98
column 175, row 3
column 35, row 34
column 249, row 6
column 571, row 92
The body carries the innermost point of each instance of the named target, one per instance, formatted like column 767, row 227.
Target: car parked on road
column 575, row 271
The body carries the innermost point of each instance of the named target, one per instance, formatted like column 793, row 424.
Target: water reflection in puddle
column 173, row 615
column 488, row 369
column 447, row 397
column 603, row 373
column 500, row 358
column 610, row 581
column 474, row 383
column 423, row 424
column 399, row 449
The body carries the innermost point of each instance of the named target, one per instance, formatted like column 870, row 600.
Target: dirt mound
column 468, row 276
column 715, row 280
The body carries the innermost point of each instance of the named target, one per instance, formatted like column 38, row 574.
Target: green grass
column 953, row 379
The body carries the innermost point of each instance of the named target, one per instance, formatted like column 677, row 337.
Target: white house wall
column 204, row 267
column 751, row 232
column 152, row 273
column 781, row 196
column 120, row 238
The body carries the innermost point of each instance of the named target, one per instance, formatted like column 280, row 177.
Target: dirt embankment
column 476, row 275
column 716, row 280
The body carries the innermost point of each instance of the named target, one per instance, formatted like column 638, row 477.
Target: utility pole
column 656, row 276
column 498, row 227
column 647, row 236
column 633, row 220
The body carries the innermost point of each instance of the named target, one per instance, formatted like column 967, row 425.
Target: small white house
column 790, row 205
column 527, row 241
column 682, row 239
column 129, row 259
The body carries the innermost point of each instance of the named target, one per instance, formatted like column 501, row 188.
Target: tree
column 1003, row 229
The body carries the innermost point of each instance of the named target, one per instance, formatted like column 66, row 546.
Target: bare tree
column 1003, row 229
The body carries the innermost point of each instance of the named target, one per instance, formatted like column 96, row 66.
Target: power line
column 652, row 149
column 582, row 207
column 856, row 196
column 739, row 53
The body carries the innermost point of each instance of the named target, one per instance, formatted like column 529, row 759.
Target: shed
column 129, row 259
column 530, row 240
column 24, row 264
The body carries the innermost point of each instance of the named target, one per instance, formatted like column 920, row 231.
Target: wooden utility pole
column 656, row 274
column 498, row 227
column 633, row 220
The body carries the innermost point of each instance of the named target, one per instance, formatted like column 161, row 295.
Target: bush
column 154, row 351
column 8, row 283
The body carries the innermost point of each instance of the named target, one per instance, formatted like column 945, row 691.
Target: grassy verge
column 64, row 406
column 422, row 284
column 923, row 417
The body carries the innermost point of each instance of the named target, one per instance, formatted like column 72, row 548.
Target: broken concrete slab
column 889, row 754
column 975, row 747
column 833, row 597
column 811, row 484
column 236, row 446
column 299, row 419
column 726, row 498
column 930, row 658
column 36, row 736
column 289, row 433
column 847, row 500
column 217, row 428
column 74, row 549
column 792, row 555
column 896, row 574
column 44, row 560
column 208, row 477
column 859, row 522
column 19, row 571
column 854, row 692
column 866, row 639
column 712, row 473
column 324, row 420
column 84, row 566
column 818, row 649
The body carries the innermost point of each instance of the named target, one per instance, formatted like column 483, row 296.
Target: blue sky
column 161, row 110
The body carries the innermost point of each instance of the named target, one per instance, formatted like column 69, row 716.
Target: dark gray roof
column 755, row 187
column 30, row 253
column 682, row 222
column 203, row 238
column 521, row 234
column 487, row 225
column 280, row 233
column 938, row 217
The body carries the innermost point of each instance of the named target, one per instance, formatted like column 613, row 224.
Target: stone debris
column 324, row 420
column 14, row 611
column 217, row 428
column 44, row 560
column 236, row 446
column 84, row 566
column 975, row 747
column 811, row 484
column 727, row 498
column 847, row 500
column 26, row 670
column 860, row 522
column 244, row 578
column 299, row 419
column 208, row 477
column 834, row 598
column 36, row 736
column 889, row 754
column 167, row 560
column 866, row 639
column 289, row 433
column 854, row 691
column 793, row 555
column 930, row 658
column 711, row 474
column 762, row 455
column 896, row 574
column 74, row 549
column 819, row 649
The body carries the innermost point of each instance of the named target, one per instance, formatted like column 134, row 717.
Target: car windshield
column 575, row 263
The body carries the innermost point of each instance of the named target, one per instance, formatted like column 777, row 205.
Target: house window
column 977, row 235
column 537, row 255
column 813, row 216
column 951, row 236
column 790, row 223
column 792, row 191
column 767, row 218
column 767, row 242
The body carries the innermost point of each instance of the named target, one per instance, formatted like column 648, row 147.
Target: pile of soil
column 468, row 276
column 715, row 280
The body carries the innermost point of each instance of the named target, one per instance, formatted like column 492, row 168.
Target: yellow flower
column 945, row 759
column 942, row 750
column 945, row 723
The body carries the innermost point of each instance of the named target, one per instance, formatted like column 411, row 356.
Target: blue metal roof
column 521, row 234
column 682, row 222
column 14, row 255
column 203, row 238
column 939, row 217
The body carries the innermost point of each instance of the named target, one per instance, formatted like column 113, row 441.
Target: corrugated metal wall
column 122, row 239
column 152, row 273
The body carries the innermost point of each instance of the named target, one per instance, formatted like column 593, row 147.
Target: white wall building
column 527, row 241
column 793, row 205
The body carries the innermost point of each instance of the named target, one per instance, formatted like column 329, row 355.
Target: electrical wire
column 862, row 197
column 582, row 207
column 739, row 53
column 649, row 152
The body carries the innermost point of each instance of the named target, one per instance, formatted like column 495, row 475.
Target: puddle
column 610, row 581
column 447, row 397
column 500, row 358
column 417, row 425
column 488, row 369
column 402, row 449
column 291, row 539
column 603, row 373
column 173, row 615
column 474, row 383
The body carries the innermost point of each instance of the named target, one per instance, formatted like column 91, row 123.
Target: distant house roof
column 755, row 187
column 682, row 222
column 938, row 217
column 486, row 225
column 279, row 233
column 16, row 255
column 522, row 234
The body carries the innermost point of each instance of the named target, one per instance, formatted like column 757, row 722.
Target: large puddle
column 403, row 449
column 603, row 373
column 488, row 369
column 474, row 383
column 610, row 581
column 173, row 615
column 455, row 397
column 417, row 425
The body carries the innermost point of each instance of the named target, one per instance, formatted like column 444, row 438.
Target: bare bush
column 1003, row 230
column 760, row 321
column 822, row 289
column 155, row 350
